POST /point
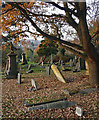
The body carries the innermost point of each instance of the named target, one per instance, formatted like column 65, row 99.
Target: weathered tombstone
column 54, row 105
column 77, row 67
column 82, row 64
column 58, row 73
column 12, row 66
column 48, row 70
column 33, row 84
column 24, row 61
column 71, row 63
column 79, row 111
column 19, row 78
column 29, row 66
column 75, row 60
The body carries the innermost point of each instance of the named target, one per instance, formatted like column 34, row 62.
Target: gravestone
column 82, row 64
column 48, row 70
column 12, row 66
column 58, row 73
column 33, row 82
column 75, row 60
column 24, row 61
column 71, row 63
column 54, row 105
column 19, row 78
column 79, row 111
column 77, row 67
column 29, row 66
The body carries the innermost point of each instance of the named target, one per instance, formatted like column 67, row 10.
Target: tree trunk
column 93, row 72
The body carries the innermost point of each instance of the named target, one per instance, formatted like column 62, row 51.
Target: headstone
column 42, row 63
column 79, row 111
column 29, row 71
column 75, row 60
column 24, row 61
column 82, row 64
column 48, row 70
column 12, row 66
column 33, row 84
column 77, row 67
column 58, row 73
column 29, row 66
column 19, row 78
column 71, row 63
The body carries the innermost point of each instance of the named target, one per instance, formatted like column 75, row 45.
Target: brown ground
column 49, row 88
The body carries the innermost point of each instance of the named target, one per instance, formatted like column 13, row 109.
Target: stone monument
column 24, row 61
column 11, row 72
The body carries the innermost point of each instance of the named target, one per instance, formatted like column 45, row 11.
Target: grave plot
column 15, row 96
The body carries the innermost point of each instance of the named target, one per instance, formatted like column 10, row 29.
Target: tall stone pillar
column 12, row 66
column 24, row 61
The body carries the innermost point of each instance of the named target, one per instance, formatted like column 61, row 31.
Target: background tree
column 41, row 14
column 46, row 48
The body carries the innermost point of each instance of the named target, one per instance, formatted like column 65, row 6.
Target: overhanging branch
column 43, row 33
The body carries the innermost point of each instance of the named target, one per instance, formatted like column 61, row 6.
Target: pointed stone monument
column 11, row 72
column 24, row 61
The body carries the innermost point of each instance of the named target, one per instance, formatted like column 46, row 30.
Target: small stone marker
column 48, row 70
column 33, row 84
column 71, row 63
column 19, row 78
column 79, row 111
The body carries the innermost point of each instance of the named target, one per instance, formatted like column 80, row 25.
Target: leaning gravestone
column 58, row 73
column 24, row 61
column 19, row 78
column 12, row 66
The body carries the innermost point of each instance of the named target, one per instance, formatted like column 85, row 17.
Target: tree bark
column 93, row 73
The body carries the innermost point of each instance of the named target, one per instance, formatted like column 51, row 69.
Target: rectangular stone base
column 11, row 77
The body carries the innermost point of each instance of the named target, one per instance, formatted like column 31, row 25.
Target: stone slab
column 54, row 105
column 89, row 90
